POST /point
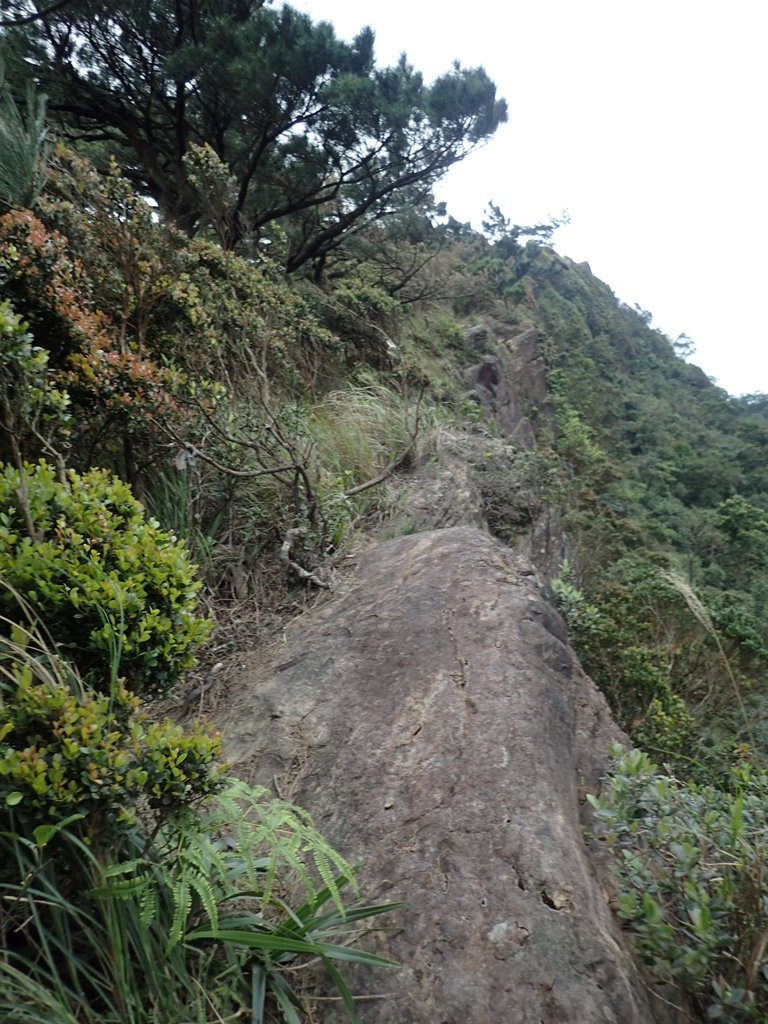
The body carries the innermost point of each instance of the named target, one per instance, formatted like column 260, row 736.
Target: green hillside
column 665, row 510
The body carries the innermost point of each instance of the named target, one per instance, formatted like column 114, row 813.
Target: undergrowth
column 139, row 882
column 690, row 861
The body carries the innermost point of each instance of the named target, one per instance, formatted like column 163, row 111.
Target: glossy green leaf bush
column 66, row 749
column 32, row 408
column 101, row 577
column 691, row 861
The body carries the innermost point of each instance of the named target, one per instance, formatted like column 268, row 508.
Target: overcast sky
column 645, row 120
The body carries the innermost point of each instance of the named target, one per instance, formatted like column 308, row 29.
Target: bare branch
column 35, row 16
column 302, row 573
column 241, row 474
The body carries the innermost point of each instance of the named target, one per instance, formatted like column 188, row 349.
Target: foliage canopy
column 313, row 135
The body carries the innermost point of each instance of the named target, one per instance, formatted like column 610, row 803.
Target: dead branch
column 393, row 466
column 263, row 451
column 241, row 474
column 302, row 573
column 198, row 692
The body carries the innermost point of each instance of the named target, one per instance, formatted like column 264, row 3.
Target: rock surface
column 437, row 726
column 441, row 492
column 510, row 382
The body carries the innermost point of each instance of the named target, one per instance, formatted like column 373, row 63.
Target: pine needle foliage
column 23, row 148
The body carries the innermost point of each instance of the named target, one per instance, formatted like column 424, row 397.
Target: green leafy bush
column 690, row 860
column 32, row 409
column 635, row 636
column 99, row 575
column 363, row 315
column 68, row 749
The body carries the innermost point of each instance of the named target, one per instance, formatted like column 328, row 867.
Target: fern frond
column 148, row 905
column 271, row 839
column 245, row 850
column 182, row 904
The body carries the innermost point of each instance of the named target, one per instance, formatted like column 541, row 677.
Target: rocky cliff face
column 510, row 381
column 492, row 478
column 435, row 723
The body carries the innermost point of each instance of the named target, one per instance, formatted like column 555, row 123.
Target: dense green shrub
column 363, row 315
column 32, row 409
column 690, row 861
column 100, row 577
column 66, row 749
column 629, row 637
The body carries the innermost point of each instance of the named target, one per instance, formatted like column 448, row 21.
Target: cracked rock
column 444, row 735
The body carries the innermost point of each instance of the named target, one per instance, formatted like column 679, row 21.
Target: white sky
column 645, row 120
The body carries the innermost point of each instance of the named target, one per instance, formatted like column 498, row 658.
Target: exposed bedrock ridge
column 437, row 726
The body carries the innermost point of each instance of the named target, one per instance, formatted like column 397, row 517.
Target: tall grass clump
column 360, row 430
column 363, row 432
column 175, row 498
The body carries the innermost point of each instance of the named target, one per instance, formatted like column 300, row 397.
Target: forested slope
column 667, row 508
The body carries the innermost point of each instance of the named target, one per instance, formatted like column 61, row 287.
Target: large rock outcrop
column 510, row 382
column 434, row 721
